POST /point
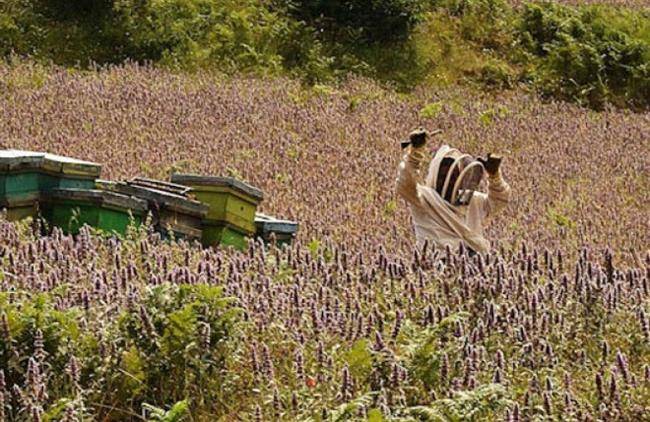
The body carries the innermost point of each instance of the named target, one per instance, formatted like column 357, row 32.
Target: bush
column 365, row 21
column 230, row 35
column 194, row 33
column 590, row 54
column 496, row 74
column 20, row 28
column 593, row 55
column 64, row 32
column 485, row 22
column 170, row 346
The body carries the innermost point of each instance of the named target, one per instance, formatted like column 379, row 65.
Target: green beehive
column 19, row 173
column 170, row 207
column 25, row 175
column 232, row 205
column 64, row 172
column 223, row 234
column 19, row 183
column 270, row 228
column 70, row 209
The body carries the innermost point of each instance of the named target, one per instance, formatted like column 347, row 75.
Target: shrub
column 178, row 333
column 486, row 22
column 496, row 74
column 593, row 55
column 20, row 28
column 229, row 35
column 194, row 33
column 589, row 54
column 170, row 345
column 366, row 21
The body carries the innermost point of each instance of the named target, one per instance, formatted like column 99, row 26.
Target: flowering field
column 350, row 323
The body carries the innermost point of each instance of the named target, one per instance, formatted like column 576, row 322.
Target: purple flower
column 39, row 346
column 346, row 384
column 4, row 328
column 622, row 366
column 379, row 342
column 548, row 406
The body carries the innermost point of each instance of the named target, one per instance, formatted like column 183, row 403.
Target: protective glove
column 491, row 163
column 418, row 138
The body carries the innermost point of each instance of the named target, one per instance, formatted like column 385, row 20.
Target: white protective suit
column 435, row 219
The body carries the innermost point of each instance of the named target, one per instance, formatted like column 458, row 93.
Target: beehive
column 64, row 172
column 232, row 206
column 20, row 182
column 21, row 208
column 71, row 208
column 224, row 235
column 268, row 228
column 170, row 207
column 25, row 175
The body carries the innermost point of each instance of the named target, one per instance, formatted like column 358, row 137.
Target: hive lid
column 161, row 197
column 263, row 218
column 71, row 166
column 14, row 159
column 266, row 223
column 160, row 185
column 217, row 181
column 99, row 197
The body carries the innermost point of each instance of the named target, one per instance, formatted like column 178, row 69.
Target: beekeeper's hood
column 454, row 176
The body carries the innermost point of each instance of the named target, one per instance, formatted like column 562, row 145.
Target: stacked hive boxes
column 172, row 211
column 232, row 205
column 25, row 176
column 19, row 183
column 232, row 216
column 111, row 212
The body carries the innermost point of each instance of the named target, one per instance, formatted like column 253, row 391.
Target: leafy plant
column 472, row 405
column 177, row 413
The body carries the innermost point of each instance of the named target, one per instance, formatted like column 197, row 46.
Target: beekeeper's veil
column 454, row 175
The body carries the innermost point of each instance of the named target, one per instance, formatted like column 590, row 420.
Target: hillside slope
column 327, row 157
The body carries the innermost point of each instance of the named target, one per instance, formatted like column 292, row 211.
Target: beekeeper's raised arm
column 409, row 168
column 498, row 194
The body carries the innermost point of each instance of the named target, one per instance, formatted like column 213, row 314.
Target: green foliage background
column 591, row 54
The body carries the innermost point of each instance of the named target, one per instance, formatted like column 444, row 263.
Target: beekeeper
column 447, row 208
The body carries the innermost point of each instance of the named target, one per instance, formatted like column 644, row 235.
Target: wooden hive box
column 232, row 206
column 64, row 172
column 268, row 227
column 170, row 207
column 25, row 175
column 224, row 235
column 19, row 173
column 111, row 212
column 20, row 183
column 21, row 208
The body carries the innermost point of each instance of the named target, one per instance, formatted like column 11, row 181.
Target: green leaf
column 374, row 415
column 347, row 410
column 431, row 111
column 180, row 329
column 132, row 370
column 313, row 247
column 177, row 413
column 359, row 359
